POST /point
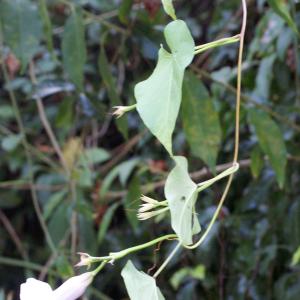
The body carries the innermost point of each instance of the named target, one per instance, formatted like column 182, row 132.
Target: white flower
column 72, row 289
column 34, row 289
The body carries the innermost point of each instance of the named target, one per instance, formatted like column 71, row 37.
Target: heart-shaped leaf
column 158, row 97
column 181, row 193
column 139, row 285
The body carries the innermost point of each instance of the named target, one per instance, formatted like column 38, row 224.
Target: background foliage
column 65, row 64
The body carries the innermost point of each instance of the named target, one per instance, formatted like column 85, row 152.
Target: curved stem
column 237, row 129
column 239, row 82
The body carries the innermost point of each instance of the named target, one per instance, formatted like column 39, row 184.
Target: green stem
column 99, row 268
column 117, row 255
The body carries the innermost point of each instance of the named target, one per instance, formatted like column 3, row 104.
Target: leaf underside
column 181, row 193
column 139, row 285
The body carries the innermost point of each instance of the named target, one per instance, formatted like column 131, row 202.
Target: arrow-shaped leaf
column 158, row 97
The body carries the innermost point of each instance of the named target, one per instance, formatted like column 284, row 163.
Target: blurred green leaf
column 63, row 266
column 59, row 222
column 139, row 285
column 178, row 277
column 53, row 202
column 257, row 161
column 87, row 235
column 264, row 77
column 181, row 193
column 22, row 28
column 74, row 48
column 47, row 26
column 271, row 141
column 158, row 99
column 200, row 120
column 124, row 10
column 132, row 202
column 65, row 115
column 6, row 112
column 94, row 156
column 126, row 168
column 11, row 142
column 296, row 257
column 110, row 85
column 106, row 221
column 282, row 9
column 9, row 199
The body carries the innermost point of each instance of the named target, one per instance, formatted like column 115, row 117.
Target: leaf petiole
column 205, row 184
column 217, row 43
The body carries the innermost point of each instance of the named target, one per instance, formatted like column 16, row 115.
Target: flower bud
column 121, row 110
column 148, row 200
column 146, row 207
column 85, row 260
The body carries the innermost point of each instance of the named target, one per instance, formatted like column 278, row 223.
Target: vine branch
column 237, row 129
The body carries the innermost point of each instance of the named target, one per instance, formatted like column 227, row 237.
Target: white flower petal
column 34, row 289
column 74, row 287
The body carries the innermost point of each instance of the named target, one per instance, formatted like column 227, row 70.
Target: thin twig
column 13, row 234
column 46, row 123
